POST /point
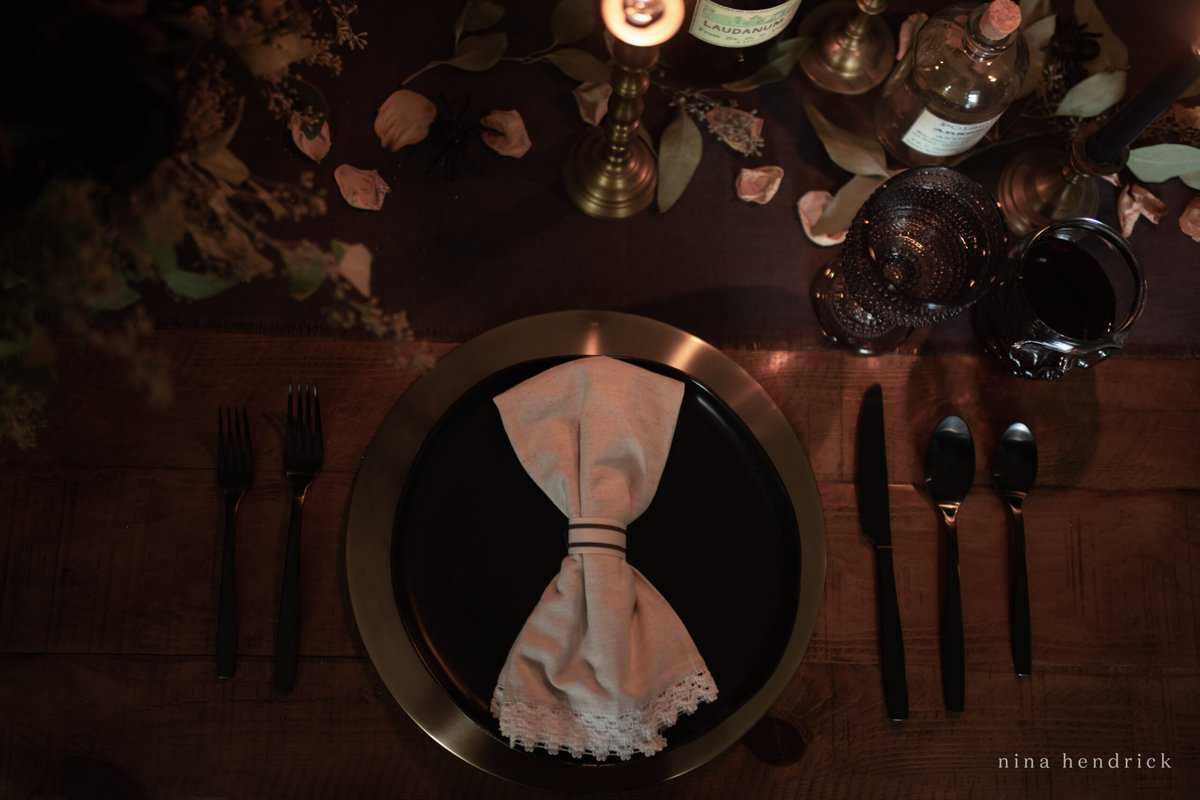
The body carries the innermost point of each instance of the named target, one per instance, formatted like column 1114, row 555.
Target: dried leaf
column 354, row 264
column 573, row 20
column 1161, row 162
column 1093, row 95
column 362, row 188
column 306, row 267
column 477, row 15
column 316, row 147
column 1037, row 38
column 781, row 60
column 271, row 58
column 224, row 165
column 504, row 132
column 404, row 119
column 592, row 99
column 1114, row 55
column 186, row 284
column 580, row 65
column 679, row 153
column 739, row 129
column 759, row 184
column 846, row 203
column 1189, row 220
column 1137, row 202
column 810, row 208
column 479, row 53
column 908, row 32
column 1035, row 10
column 859, row 155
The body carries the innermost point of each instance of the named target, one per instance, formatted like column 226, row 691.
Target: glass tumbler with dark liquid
column 1074, row 292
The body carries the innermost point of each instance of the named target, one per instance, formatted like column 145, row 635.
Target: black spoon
column 949, row 473
column 1014, row 470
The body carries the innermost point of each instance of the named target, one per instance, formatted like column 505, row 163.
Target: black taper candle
column 1107, row 145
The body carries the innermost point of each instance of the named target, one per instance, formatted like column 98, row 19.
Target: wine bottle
column 962, row 72
column 728, row 41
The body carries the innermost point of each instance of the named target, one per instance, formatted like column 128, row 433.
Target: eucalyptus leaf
column 679, row 153
column 1037, row 39
column 859, row 155
column 118, row 296
column 781, row 60
column 845, row 204
column 477, row 15
column 573, row 20
column 580, row 65
column 1114, row 55
column 479, row 53
column 305, row 265
column 1161, row 162
column 194, row 285
column 1093, row 95
column 274, row 56
column 225, row 165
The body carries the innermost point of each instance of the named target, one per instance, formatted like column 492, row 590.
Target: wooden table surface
column 109, row 557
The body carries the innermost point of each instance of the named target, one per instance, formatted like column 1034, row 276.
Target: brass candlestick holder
column 612, row 173
column 1043, row 186
column 853, row 49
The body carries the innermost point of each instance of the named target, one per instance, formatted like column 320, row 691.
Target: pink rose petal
column 592, row 99
column 908, row 29
column 759, row 184
column 810, row 207
column 404, row 119
column 316, row 148
column 504, row 132
column 1189, row 220
column 1136, row 202
column 362, row 188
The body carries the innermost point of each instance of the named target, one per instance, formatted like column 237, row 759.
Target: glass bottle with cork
column 728, row 41
column 964, row 69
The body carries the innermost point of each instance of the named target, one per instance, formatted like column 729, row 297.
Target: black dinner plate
column 476, row 542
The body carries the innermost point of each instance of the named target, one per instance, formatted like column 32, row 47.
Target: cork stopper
column 1001, row 19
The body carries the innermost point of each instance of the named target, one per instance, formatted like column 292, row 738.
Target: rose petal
column 1114, row 179
column 908, row 29
column 316, row 148
column 759, row 185
column 739, row 129
column 404, row 119
column 1189, row 220
column 810, row 207
column 504, row 132
column 1136, row 202
column 592, row 99
column 355, row 267
column 362, row 188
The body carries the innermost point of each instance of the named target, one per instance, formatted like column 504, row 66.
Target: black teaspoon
column 1014, row 470
column 949, row 473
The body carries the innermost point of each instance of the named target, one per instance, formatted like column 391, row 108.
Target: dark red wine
column 1068, row 290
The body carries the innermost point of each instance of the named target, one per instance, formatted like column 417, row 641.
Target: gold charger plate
column 385, row 471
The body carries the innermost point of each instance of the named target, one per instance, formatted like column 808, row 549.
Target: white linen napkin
column 603, row 664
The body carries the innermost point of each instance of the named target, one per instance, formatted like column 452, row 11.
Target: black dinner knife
column 874, row 516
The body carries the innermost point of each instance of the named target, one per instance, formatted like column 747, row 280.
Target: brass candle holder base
column 611, row 173
column 1043, row 186
column 853, row 49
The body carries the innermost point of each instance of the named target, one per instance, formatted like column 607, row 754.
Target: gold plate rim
column 382, row 474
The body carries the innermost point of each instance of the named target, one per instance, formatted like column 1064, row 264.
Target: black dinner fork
column 235, row 474
column 303, row 454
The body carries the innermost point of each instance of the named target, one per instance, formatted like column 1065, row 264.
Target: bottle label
column 934, row 136
column 737, row 27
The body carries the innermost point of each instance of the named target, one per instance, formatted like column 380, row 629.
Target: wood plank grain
column 1116, row 427
column 176, row 732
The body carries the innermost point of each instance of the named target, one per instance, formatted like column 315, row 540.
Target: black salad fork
column 303, row 455
column 235, row 475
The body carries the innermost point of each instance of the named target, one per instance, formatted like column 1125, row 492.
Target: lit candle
column 1107, row 145
column 642, row 23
